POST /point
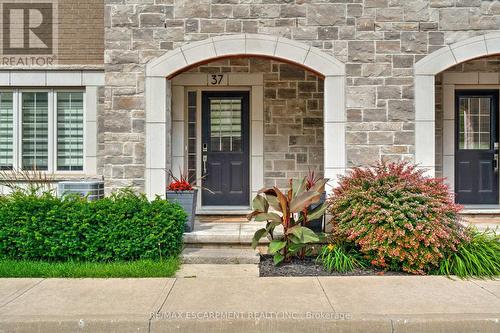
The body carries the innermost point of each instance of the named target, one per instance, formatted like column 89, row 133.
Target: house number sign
column 217, row 79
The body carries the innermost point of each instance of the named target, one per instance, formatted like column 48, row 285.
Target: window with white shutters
column 42, row 130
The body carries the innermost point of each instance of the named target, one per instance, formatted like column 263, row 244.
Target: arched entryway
column 454, row 75
column 161, row 71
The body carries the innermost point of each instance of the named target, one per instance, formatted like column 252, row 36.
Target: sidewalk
column 326, row 304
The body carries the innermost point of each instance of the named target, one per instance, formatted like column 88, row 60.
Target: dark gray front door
column 225, row 148
column 476, row 148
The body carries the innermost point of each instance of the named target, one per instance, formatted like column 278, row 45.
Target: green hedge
column 124, row 226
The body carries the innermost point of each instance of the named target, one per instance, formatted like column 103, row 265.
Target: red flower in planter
column 180, row 186
column 180, row 183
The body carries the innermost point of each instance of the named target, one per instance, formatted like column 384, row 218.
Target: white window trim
column 88, row 81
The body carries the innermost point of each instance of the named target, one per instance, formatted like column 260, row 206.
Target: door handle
column 495, row 162
column 204, row 164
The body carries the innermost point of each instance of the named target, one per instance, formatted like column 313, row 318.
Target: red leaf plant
column 397, row 218
column 180, row 183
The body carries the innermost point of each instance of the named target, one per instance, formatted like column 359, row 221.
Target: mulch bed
column 308, row 267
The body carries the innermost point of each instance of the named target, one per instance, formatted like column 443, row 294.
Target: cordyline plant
column 292, row 211
column 181, row 183
column 398, row 218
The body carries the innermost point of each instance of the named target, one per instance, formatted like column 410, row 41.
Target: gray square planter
column 187, row 200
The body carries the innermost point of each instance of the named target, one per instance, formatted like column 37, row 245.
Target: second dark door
column 225, row 148
column 476, row 148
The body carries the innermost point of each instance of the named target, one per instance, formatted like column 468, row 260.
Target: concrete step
column 221, row 233
column 490, row 219
column 482, row 221
column 203, row 255
column 224, row 234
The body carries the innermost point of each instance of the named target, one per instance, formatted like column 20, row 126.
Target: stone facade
column 293, row 116
column 378, row 40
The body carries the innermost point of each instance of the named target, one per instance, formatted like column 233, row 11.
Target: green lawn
column 140, row 268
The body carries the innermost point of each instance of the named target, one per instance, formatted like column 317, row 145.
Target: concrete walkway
column 327, row 304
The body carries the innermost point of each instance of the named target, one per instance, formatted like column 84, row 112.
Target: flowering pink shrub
column 398, row 218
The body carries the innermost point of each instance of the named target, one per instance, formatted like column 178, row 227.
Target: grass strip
column 70, row 269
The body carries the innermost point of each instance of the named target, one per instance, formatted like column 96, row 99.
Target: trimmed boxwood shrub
column 396, row 217
column 124, row 226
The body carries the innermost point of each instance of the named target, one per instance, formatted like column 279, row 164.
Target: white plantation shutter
column 35, row 123
column 70, row 131
column 6, row 130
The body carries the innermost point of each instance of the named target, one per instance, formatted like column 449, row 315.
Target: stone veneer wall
column 485, row 65
column 379, row 40
column 293, row 116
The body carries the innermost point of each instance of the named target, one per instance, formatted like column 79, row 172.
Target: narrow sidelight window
column 191, row 135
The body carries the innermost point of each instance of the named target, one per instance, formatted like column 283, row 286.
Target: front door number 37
column 216, row 79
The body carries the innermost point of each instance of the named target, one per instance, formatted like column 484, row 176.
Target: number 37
column 216, row 79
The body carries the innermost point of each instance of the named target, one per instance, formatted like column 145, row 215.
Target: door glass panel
column 225, row 124
column 474, row 123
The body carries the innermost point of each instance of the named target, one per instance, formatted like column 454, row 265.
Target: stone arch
column 159, row 71
column 283, row 49
column 425, row 72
